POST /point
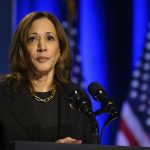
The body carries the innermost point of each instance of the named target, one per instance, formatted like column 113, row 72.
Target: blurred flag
column 134, row 127
column 70, row 24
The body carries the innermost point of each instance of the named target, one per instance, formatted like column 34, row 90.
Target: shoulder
column 6, row 90
column 6, row 94
column 3, row 86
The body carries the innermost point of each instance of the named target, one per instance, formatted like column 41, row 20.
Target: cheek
column 31, row 53
column 30, row 57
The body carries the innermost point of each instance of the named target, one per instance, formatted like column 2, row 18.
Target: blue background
column 111, row 39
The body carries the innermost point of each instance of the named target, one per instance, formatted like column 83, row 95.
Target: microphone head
column 74, row 94
column 96, row 91
column 110, row 107
column 79, row 100
column 69, row 88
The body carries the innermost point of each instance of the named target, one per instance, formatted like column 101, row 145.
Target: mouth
column 42, row 59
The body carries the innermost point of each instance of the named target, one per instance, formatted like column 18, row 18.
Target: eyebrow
column 50, row 33
column 45, row 33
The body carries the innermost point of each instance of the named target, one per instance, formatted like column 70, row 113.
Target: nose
column 41, row 46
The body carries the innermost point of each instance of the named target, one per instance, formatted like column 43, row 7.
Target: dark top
column 47, row 114
column 21, row 118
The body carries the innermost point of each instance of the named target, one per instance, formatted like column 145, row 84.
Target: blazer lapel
column 23, row 111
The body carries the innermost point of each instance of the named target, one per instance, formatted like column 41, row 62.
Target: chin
column 43, row 70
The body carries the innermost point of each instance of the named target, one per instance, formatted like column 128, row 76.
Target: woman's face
column 43, row 45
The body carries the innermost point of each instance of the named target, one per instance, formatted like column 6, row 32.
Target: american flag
column 134, row 127
column 71, row 26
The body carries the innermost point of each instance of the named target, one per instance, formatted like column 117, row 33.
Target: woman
column 34, row 104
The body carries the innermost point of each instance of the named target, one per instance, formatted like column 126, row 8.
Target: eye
column 32, row 39
column 50, row 38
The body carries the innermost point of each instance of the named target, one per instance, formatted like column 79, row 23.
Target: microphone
column 98, row 93
column 107, row 105
column 110, row 118
column 78, row 100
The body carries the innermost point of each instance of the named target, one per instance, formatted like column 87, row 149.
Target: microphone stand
column 96, row 137
column 95, row 127
column 95, row 131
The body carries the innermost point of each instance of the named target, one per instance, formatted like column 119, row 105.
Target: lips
column 42, row 59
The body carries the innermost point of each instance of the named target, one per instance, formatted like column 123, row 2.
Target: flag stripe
column 134, row 128
column 127, row 133
column 135, row 115
column 122, row 139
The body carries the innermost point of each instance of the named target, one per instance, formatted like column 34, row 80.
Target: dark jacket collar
column 21, row 107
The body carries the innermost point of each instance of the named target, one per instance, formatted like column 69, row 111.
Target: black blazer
column 18, row 120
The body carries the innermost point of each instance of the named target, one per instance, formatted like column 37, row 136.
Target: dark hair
column 19, row 63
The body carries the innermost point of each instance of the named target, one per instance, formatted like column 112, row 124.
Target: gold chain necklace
column 45, row 100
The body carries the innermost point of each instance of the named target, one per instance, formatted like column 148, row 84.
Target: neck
column 42, row 83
